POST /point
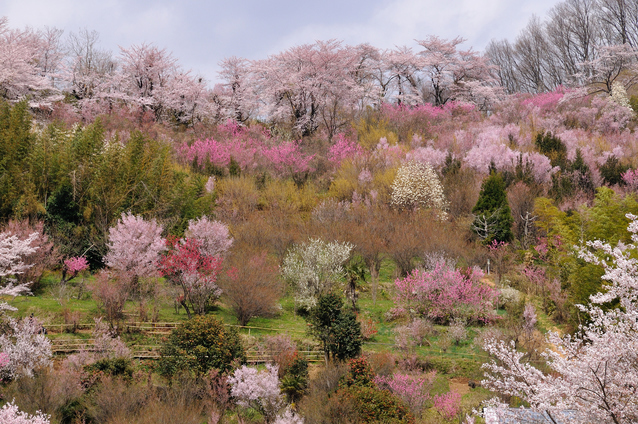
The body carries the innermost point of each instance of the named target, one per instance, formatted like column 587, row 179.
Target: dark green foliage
column 118, row 367
column 612, row 171
column 294, row 383
column 337, row 329
column 234, row 170
column 199, row 345
column 452, row 165
column 360, row 374
column 493, row 215
column 553, row 148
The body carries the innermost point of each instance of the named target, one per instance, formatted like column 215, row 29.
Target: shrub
column 199, row 345
column 373, row 405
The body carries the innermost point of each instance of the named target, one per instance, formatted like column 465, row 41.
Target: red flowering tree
column 188, row 266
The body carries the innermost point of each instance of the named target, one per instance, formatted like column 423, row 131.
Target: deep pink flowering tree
column 444, row 293
column 188, row 266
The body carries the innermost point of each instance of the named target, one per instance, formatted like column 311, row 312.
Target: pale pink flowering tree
column 258, row 390
column 27, row 348
column 10, row 414
column 213, row 236
column 19, row 73
column 595, row 371
column 135, row 245
column 13, row 251
column 414, row 390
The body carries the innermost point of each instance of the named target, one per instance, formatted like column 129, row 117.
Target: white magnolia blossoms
column 416, row 186
column 594, row 375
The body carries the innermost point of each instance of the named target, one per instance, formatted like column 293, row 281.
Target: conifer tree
column 492, row 215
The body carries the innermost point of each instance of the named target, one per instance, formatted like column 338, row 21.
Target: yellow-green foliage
column 382, row 183
column 370, row 130
column 287, row 197
column 346, row 181
column 238, row 195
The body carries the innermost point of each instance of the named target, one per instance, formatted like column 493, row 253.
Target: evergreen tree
column 493, row 217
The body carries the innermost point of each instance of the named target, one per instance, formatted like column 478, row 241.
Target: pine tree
column 493, row 217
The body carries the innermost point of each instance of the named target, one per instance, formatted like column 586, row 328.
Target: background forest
column 333, row 234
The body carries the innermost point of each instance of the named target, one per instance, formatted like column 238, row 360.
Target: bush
column 199, row 345
column 376, row 406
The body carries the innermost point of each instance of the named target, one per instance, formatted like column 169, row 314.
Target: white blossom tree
column 26, row 348
column 594, row 372
column 313, row 267
column 10, row 414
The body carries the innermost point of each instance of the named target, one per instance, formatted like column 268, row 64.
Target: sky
column 201, row 33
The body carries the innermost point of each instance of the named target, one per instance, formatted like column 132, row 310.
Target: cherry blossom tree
column 593, row 372
column 213, row 236
column 13, row 251
column 135, row 245
column 19, row 73
column 26, row 347
column 236, row 94
column 615, row 63
column 309, row 85
column 258, row 390
column 10, row 414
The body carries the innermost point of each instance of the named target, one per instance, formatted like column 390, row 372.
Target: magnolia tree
column 135, row 246
column 26, row 348
column 417, row 186
column 188, row 266
column 313, row 267
column 258, row 390
column 593, row 372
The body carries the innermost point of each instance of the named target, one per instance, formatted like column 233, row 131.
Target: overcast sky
column 201, row 33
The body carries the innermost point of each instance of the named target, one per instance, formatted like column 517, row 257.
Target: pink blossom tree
column 593, row 372
column 213, row 236
column 19, row 73
column 258, row 390
column 444, row 293
column 135, row 245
